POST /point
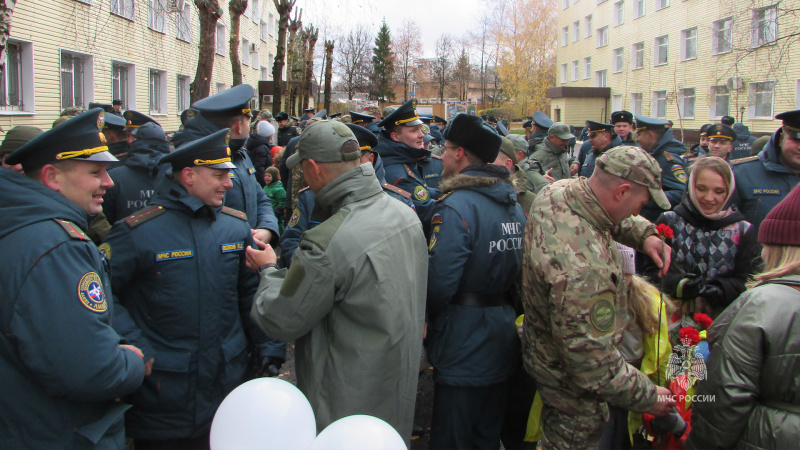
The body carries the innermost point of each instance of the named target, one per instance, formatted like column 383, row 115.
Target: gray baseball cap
column 322, row 141
column 635, row 165
column 560, row 130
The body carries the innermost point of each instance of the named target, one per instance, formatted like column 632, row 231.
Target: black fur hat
column 472, row 133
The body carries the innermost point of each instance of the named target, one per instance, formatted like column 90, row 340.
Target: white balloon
column 359, row 433
column 264, row 413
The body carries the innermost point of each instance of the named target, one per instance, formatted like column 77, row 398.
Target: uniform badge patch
column 232, row 247
column 105, row 249
column 295, row 217
column 420, row 193
column 434, row 237
column 252, row 170
column 437, row 219
column 90, row 292
column 679, row 173
column 766, row 191
column 231, row 175
column 603, row 315
column 174, row 254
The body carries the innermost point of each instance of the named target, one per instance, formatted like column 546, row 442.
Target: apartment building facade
column 689, row 61
column 64, row 53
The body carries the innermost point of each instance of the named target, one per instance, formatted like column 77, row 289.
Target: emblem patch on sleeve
column 420, row 193
column 252, row 170
column 437, row 219
column 603, row 315
column 295, row 217
column 90, row 292
column 679, row 173
column 105, row 249
column 434, row 237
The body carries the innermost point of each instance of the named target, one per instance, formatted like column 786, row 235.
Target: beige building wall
column 575, row 111
column 87, row 28
column 744, row 64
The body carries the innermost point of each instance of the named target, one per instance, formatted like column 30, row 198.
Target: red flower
column 703, row 320
column 664, row 231
column 689, row 336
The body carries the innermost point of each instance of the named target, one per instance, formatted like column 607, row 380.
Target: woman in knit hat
column 752, row 386
column 714, row 250
column 258, row 148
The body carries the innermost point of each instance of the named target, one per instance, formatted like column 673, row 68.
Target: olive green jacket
column 551, row 156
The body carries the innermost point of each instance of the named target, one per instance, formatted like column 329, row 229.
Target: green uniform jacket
column 576, row 305
column 354, row 301
column 551, row 156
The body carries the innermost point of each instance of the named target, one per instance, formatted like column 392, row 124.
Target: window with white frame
column 601, row 78
column 264, row 73
column 760, row 100
column 617, row 59
column 156, row 15
column 659, row 104
column 689, row 44
column 16, row 78
column 264, row 31
column 636, row 103
column 686, row 103
column 564, row 4
column 637, row 55
column 575, row 70
column 576, row 31
column 256, row 13
column 182, row 93
column 122, row 8
column 564, row 73
column 271, row 25
column 587, row 26
column 616, row 102
column 183, row 23
column 600, row 1
column 221, row 41
column 660, row 50
column 565, row 36
column 253, row 57
column 245, row 52
column 765, row 26
column 720, row 102
column 246, row 11
column 722, row 36
column 220, row 87
column 638, row 8
column 602, row 36
column 661, row 4
column 619, row 13
column 587, row 67
column 158, row 91
column 76, row 79
column 123, row 83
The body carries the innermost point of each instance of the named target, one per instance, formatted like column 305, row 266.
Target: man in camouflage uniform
column 507, row 157
column 552, row 152
column 575, row 296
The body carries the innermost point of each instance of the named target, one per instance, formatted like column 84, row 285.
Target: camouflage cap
column 324, row 141
column 636, row 165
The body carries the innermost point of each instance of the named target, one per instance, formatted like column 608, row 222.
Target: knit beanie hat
column 272, row 170
column 782, row 224
column 265, row 129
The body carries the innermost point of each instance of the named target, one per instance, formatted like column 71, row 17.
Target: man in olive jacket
column 354, row 297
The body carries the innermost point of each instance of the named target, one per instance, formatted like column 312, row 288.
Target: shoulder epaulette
column 444, row 196
column 668, row 156
column 744, row 160
column 72, row 230
column 409, row 172
column 396, row 190
column 142, row 216
column 301, row 190
column 235, row 213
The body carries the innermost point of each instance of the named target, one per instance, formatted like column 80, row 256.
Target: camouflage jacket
column 576, row 304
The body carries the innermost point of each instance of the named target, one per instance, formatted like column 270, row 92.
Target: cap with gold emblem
column 211, row 151
column 78, row 139
column 596, row 127
column 404, row 116
column 650, row 123
column 719, row 131
column 437, row 120
column 188, row 114
column 135, row 119
column 228, row 103
column 542, row 120
column 114, row 122
column 791, row 122
column 366, row 139
column 360, row 118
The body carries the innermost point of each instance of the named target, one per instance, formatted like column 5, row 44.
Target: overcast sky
column 434, row 17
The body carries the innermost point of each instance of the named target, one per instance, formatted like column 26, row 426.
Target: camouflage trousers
column 569, row 431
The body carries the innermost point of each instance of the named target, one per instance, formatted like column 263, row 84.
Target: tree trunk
column 294, row 25
column 236, row 9
column 312, row 33
column 209, row 12
column 328, row 72
column 284, row 8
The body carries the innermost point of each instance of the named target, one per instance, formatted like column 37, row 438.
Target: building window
column 253, row 56
column 760, row 96
column 264, row 31
column 16, row 77
column 575, row 70
column 183, row 22
column 619, row 13
column 564, row 73
column 76, row 79
column 660, row 50
column 182, row 92
column 245, row 52
column 271, row 25
column 722, row 36
column 636, row 103
column 720, row 101
column 576, row 31
column 156, row 15
column 661, row 4
column 602, row 36
column 765, row 26
column 638, row 8
column 123, row 83
column 256, row 13
column 587, row 26
column 637, row 59
column 660, row 104
column 264, row 73
column 564, row 4
column 158, row 91
column 616, row 102
column 601, row 78
column 122, row 8
column 221, row 41
column 220, row 87
column 689, row 44
column 587, row 67
column 686, row 103
column 565, row 36
column 618, row 59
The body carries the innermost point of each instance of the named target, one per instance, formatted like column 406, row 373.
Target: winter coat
column 258, row 150
column 552, row 157
column 743, row 142
column 667, row 153
column 135, row 182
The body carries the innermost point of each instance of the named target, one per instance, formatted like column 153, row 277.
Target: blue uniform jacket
column 61, row 366
column 667, row 152
column 135, row 182
column 184, row 296
column 475, row 247
column 587, row 168
column 407, row 169
column 762, row 181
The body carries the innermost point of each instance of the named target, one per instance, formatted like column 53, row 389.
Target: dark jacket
column 61, row 366
column 753, row 373
column 587, row 168
column 184, row 296
column 135, row 182
column 286, row 134
column 762, row 181
column 120, row 151
column 743, row 142
column 667, row 152
column 257, row 147
column 475, row 248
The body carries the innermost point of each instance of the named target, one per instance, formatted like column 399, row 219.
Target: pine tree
column 382, row 65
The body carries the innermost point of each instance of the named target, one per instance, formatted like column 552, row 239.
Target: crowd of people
column 567, row 301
